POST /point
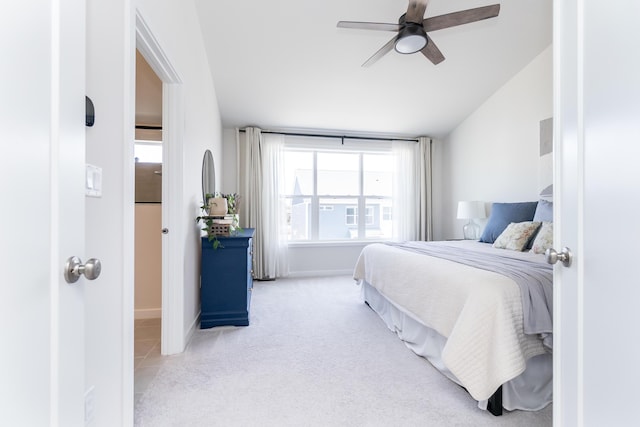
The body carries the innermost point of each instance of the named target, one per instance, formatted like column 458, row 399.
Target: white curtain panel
column 261, row 160
column 405, row 187
column 412, row 190
column 425, row 190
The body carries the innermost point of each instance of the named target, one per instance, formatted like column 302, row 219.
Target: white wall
column 229, row 159
column 177, row 28
column 324, row 259
column 493, row 155
column 109, row 230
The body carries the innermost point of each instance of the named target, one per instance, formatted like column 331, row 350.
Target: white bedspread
column 478, row 311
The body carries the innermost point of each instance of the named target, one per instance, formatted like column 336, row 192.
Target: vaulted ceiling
column 284, row 63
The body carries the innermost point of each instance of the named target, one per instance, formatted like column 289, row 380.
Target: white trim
column 192, row 329
column 558, row 120
column 173, row 339
column 128, row 218
column 580, row 56
column 568, row 106
column 150, row 49
column 320, row 273
column 333, row 243
column 148, row 313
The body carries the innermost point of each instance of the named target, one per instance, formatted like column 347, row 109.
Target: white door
column 597, row 137
column 42, row 212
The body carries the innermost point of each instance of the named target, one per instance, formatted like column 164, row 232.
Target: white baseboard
column 320, row 273
column 192, row 329
column 148, row 313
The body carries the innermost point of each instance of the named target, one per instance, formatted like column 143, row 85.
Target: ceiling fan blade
column 369, row 25
column 380, row 53
column 432, row 52
column 462, row 17
column 415, row 11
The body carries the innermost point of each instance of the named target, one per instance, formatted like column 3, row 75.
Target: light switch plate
column 93, row 181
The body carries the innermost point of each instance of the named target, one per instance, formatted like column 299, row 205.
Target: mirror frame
column 208, row 176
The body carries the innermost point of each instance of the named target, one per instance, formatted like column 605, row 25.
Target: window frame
column 362, row 199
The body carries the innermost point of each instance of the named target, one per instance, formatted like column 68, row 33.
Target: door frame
column 172, row 335
column 568, row 332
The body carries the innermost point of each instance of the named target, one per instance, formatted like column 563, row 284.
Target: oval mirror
column 208, row 176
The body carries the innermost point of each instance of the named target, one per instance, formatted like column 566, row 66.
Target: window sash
column 363, row 215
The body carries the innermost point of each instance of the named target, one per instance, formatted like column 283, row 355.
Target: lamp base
column 471, row 231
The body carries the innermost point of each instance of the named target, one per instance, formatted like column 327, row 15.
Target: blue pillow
column 502, row 214
column 544, row 211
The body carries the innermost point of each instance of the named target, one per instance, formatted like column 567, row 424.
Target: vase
column 217, row 206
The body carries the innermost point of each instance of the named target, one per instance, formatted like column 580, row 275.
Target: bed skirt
column 530, row 391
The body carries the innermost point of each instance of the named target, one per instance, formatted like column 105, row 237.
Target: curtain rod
column 320, row 135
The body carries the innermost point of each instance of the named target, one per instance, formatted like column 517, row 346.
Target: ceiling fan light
column 411, row 39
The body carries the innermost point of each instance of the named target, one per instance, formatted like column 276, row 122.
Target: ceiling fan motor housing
column 411, row 38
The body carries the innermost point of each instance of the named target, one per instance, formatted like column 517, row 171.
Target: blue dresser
column 226, row 281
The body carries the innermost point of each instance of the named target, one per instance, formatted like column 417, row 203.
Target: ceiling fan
column 412, row 29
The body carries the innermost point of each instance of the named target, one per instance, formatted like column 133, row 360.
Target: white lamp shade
column 547, row 192
column 471, row 210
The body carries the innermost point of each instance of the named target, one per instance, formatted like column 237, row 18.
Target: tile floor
column 148, row 359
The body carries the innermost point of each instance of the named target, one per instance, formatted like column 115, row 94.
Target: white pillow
column 516, row 236
column 544, row 239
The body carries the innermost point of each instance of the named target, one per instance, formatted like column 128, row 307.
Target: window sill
column 334, row 243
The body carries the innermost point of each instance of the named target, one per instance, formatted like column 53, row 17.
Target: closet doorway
column 148, row 153
column 171, row 231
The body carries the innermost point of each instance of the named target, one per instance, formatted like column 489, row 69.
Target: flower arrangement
column 209, row 206
column 233, row 201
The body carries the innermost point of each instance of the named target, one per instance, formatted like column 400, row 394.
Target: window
column 148, row 151
column 335, row 191
column 352, row 216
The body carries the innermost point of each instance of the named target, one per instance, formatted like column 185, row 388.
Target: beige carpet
column 314, row 355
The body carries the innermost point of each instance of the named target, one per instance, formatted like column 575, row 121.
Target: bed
column 485, row 326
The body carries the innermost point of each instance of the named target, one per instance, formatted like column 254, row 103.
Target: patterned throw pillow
column 516, row 236
column 544, row 239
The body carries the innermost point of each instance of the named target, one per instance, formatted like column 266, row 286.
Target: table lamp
column 471, row 210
